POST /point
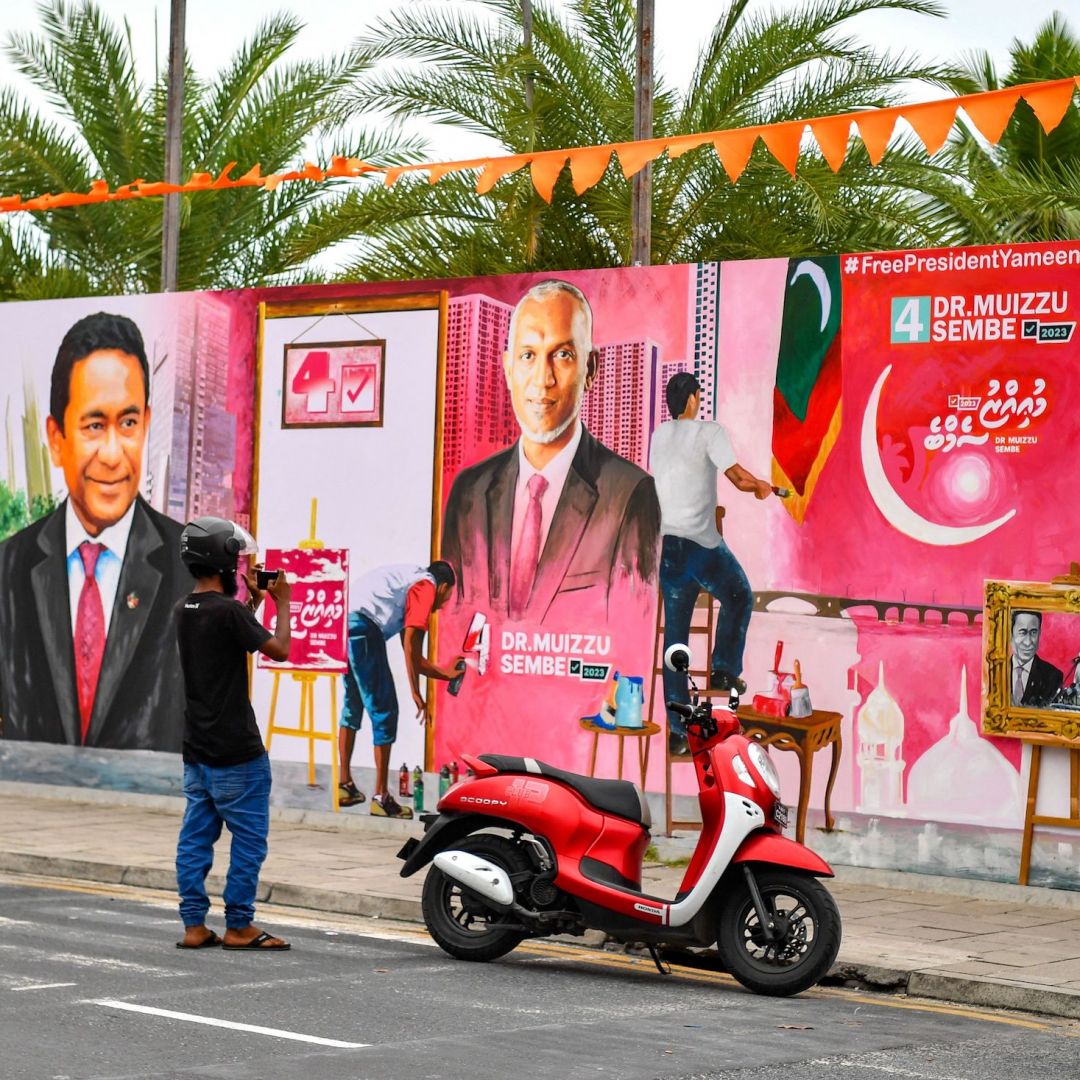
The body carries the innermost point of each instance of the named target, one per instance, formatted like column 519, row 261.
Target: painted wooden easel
column 306, row 728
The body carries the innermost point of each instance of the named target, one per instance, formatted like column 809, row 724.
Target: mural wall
column 916, row 409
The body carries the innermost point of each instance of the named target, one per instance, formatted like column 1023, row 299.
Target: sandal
column 208, row 942
column 258, row 944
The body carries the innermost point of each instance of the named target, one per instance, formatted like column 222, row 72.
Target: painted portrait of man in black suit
column 1033, row 681
column 88, row 651
column 558, row 515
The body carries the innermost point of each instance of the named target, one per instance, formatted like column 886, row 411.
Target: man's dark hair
column 680, row 388
column 443, row 573
column 202, row 572
column 88, row 335
column 1037, row 614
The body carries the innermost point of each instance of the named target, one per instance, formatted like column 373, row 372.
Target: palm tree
column 108, row 125
column 1028, row 186
column 467, row 67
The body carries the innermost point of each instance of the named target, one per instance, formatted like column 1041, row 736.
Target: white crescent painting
column 897, row 512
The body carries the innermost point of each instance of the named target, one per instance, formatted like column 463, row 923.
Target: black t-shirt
column 215, row 634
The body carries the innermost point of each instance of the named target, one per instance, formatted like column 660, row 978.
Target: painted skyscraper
column 478, row 417
column 203, row 432
column 620, row 409
column 703, row 333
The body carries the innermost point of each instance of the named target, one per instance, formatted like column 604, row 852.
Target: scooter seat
column 618, row 797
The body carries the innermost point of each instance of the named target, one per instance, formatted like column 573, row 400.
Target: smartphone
column 264, row 577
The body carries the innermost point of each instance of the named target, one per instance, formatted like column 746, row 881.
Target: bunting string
column 932, row 121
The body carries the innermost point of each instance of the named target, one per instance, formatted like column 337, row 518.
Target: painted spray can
column 403, row 781
column 444, row 780
column 418, row 792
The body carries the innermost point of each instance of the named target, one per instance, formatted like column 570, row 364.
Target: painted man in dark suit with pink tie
column 88, row 650
column 547, row 528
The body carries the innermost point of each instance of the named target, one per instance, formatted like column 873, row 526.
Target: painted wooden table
column 643, row 734
column 803, row 736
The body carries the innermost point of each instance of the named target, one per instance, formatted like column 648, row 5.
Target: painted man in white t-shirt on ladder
column 686, row 455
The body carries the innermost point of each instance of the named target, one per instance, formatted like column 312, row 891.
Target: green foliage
column 106, row 124
column 466, row 66
column 13, row 512
column 41, row 505
column 1028, row 186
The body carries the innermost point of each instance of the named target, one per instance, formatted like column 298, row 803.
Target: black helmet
column 215, row 542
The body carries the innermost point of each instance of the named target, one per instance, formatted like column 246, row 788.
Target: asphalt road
column 91, row 986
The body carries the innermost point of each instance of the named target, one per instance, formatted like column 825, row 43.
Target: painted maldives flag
column 806, row 400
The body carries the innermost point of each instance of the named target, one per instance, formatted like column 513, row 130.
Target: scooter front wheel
column 461, row 923
column 804, row 940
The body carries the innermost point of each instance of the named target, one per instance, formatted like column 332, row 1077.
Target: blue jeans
column 237, row 796
column 369, row 683
column 685, row 569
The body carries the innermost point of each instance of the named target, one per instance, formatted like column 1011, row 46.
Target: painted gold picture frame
column 1051, row 713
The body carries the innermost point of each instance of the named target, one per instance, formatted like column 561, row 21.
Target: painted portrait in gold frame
column 1031, row 647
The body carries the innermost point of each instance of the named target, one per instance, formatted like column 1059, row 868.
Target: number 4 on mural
column 312, row 381
column 910, row 319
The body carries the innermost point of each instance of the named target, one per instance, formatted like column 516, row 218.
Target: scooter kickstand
column 664, row 969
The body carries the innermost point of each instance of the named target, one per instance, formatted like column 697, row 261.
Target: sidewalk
column 979, row 943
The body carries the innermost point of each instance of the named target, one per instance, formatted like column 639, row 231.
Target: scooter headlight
column 764, row 767
column 741, row 771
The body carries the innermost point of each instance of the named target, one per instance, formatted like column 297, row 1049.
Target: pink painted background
column 845, row 546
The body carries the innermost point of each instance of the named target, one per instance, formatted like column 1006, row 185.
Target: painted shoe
column 387, row 806
column 350, row 795
column 722, row 680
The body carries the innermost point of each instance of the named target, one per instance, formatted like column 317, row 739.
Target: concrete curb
column 975, row 990
column 934, row 985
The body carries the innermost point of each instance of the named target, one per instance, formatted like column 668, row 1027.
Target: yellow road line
column 579, row 954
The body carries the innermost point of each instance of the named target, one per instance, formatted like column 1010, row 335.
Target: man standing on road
column 226, row 768
column 686, row 454
column 390, row 600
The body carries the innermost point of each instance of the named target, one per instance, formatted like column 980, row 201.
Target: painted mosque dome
column 881, row 720
column 964, row 778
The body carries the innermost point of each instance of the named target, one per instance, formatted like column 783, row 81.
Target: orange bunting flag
column 437, row 172
column 677, row 147
column 588, row 166
column 545, row 169
column 991, row 113
column 494, row 170
column 932, row 121
column 633, row 157
column 733, row 148
column 832, row 135
column 1049, row 103
column 784, row 142
column 876, row 128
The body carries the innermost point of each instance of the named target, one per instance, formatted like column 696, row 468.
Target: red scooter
column 528, row 850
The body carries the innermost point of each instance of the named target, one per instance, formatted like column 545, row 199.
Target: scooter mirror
column 677, row 658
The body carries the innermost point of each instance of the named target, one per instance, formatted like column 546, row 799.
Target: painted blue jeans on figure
column 686, row 569
column 237, row 796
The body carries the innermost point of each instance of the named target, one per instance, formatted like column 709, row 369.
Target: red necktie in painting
column 89, row 634
column 527, row 555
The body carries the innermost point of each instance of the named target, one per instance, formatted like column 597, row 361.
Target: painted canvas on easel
column 320, row 594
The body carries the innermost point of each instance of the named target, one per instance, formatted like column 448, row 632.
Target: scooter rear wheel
column 461, row 923
column 807, row 933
